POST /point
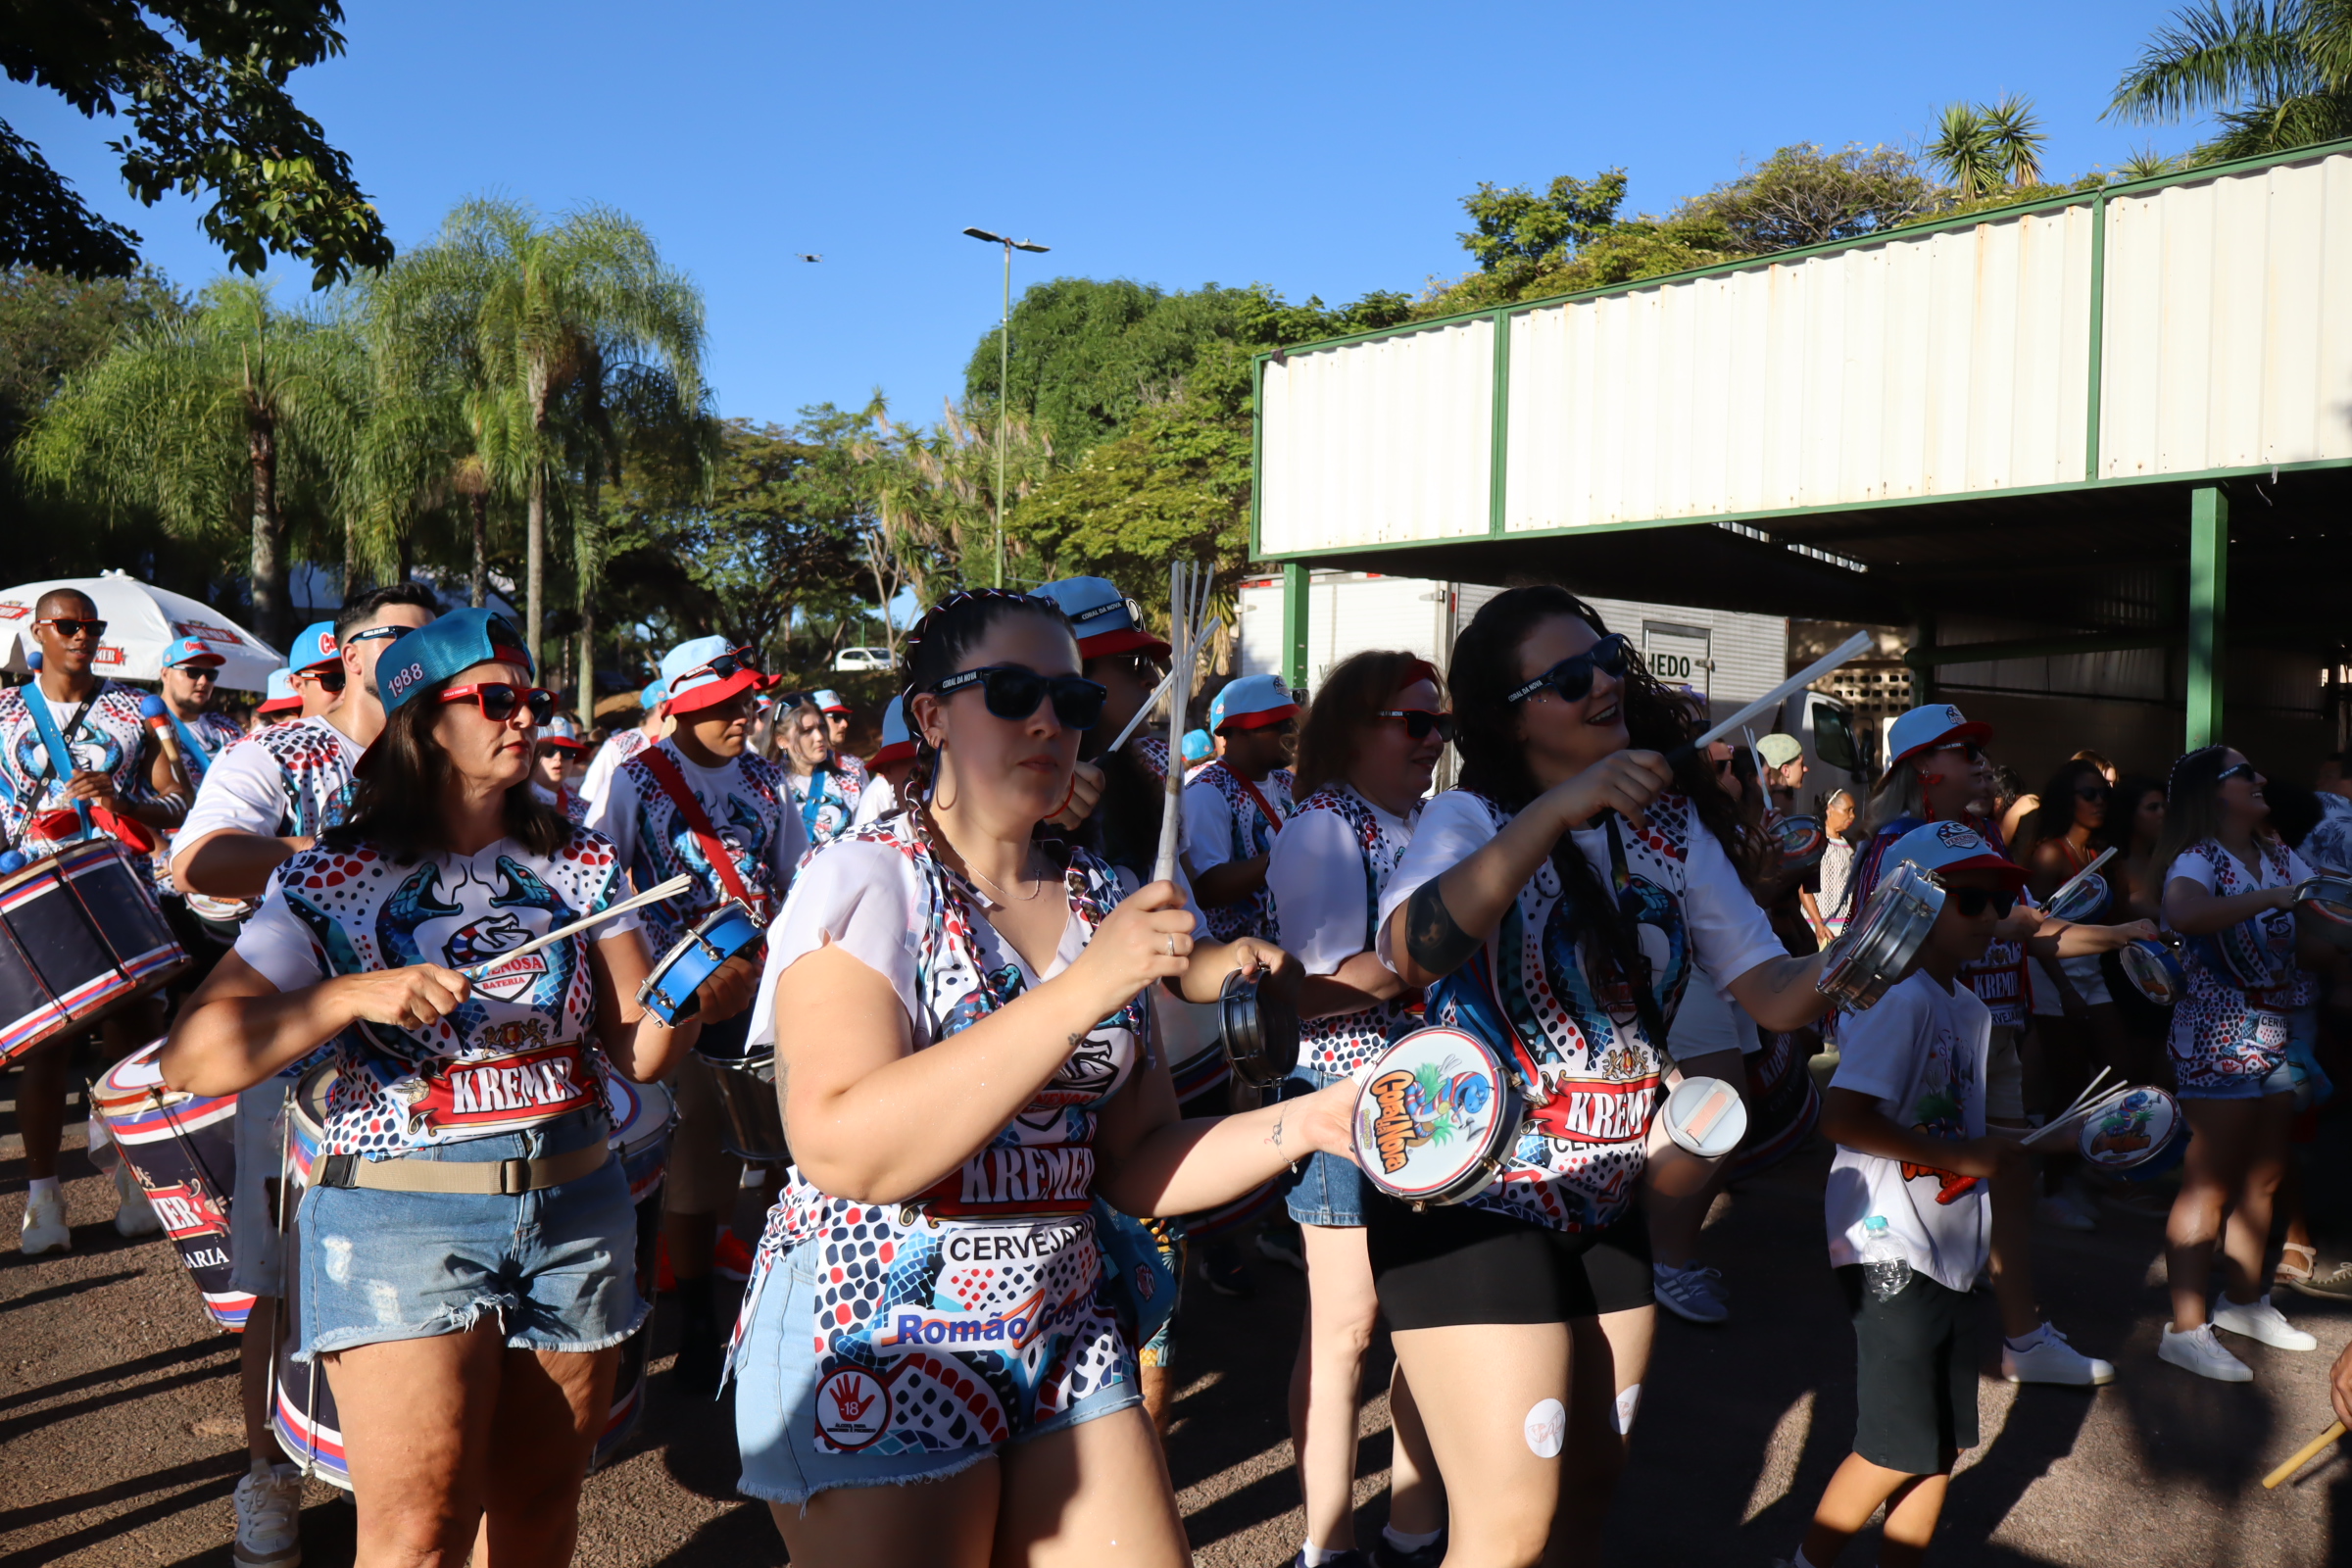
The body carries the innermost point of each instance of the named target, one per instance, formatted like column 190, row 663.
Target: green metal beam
column 1294, row 625
column 2098, row 335
column 1498, row 413
column 2035, row 648
column 2208, row 611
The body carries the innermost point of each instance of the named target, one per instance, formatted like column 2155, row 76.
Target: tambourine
column 2153, row 972
column 1261, row 1032
column 1436, row 1117
column 2326, row 902
column 1801, row 841
column 1880, row 946
column 2138, row 1135
column 671, row 992
column 2083, row 900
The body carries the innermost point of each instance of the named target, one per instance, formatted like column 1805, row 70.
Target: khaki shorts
column 2004, row 1078
column 703, row 1175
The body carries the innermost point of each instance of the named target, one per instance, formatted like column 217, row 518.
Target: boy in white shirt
column 1906, row 1110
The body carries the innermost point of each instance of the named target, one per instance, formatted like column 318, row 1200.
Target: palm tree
column 546, row 303
column 1981, row 147
column 237, row 416
column 2275, row 77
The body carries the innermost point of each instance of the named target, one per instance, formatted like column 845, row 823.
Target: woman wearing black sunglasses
column 1558, row 905
column 467, row 1238
column 2230, row 888
column 931, row 1367
column 1367, row 750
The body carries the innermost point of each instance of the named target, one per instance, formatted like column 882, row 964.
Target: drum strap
column 698, row 821
column 53, row 740
column 814, row 804
column 1273, row 817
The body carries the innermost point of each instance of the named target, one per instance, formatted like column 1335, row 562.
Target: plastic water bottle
column 1884, row 1268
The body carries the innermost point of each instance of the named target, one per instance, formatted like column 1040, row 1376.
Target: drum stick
column 2074, row 1104
column 683, row 882
column 2076, row 1115
column 2303, row 1456
column 1852, row 647
column 1187, row 601
column 2080, row 877
column 1157, row 692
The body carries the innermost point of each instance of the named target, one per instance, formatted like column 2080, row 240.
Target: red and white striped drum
column 302, row 1409
column 80, row 934
column 184, row 1150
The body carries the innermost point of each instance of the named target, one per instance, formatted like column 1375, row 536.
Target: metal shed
column 2062, row 440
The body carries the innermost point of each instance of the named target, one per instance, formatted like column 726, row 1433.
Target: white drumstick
column 1157, row 692
column 1852, row 647
column 2080, row 877
column 2074, row 1104
column 681, row 883
column 1188, row 602
column 2076, row 1115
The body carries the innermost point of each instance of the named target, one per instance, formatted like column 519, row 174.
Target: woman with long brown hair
column 467, row 1238
column 1560, row 903
column 2076, row 1016
column 2230, row 888
column 1367, row 751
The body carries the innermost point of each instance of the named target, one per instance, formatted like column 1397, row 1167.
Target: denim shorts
column 777, row 1393
column 1329, row 1189
column 559, row 1266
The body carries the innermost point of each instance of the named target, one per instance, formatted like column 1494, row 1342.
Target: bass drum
column 81, row 934
column 184, row 1150
column 302, row 1406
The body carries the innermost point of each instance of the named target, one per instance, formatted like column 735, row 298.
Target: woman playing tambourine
column 930, row 1366
column 1560, row 903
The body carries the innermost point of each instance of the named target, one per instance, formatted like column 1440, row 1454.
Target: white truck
column 1727, row 656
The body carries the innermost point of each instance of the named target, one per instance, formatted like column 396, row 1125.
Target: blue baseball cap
column 1198, row 747
column 315, row 647
column 561, row 732
column 1930, row 728
column 1251, row 703
column 829, row 702
column 196, row 651
column 690, row 682
column 281, row 694
column 1105, row 621
column 440, row 648
column 651, row 698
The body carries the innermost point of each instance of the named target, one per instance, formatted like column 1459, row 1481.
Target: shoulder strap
column 816, row 802
column 191, row 746
column 673, row 784
column 53, row 740
column 1250, row 789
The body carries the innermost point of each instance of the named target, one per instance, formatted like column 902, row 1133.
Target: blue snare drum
column 2084, row 901
column 2153, row 972
column 669, row 991
column 2139, row 1134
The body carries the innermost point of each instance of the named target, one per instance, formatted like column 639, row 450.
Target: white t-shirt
column 616, row 750
column 1326, row 871
column 1920, row 1054
column 875, row 802
column 290, row 780
column 1708, row 1023
column 1222, row 822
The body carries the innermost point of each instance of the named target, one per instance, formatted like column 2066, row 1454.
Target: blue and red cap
column 1106, row 621
column 281, row 695
column 439, row 649
column 1251, row 703
column 315, row 647
column 1930, row 728
column 689, row 683
column 187, row 651
column 898, row 741
column 829, row 702
column 1942, row 846
column 1198, row 747
column 562, row 733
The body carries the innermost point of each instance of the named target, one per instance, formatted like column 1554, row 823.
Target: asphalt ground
column 119, row 1438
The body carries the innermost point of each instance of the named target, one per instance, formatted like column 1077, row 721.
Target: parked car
column 862, row 659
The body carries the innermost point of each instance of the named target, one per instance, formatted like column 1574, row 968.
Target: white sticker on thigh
column 1547, row 1428
column 1629, row 1399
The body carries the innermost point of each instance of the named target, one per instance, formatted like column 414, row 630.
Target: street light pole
column 1003, row 372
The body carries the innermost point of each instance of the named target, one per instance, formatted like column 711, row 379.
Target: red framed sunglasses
column 498, row 699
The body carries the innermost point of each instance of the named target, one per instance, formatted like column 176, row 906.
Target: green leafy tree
column 545, row 306
column 238, row 411
column 2275, row 77
column 1804, row 195
column 1982, row 147
column 1519, row 230
column 203, row 87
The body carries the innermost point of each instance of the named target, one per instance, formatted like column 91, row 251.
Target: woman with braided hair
column 933, row 1361
column 1558, row 905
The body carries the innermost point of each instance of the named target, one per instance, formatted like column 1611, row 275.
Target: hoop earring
column 931, row 797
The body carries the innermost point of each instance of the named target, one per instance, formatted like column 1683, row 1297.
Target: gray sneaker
column 2330, row 1282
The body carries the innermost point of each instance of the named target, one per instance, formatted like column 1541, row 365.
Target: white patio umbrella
column 141, row 622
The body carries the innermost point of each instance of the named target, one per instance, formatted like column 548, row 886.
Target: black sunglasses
column 723, row 667
column 70, row 627
column 1571, row 677
column 1418, row 722
column 1972, row 902
column 498, row 699
column 1013, row 691
column 2235, row 770
column 2091, row 792
column 1968, row 749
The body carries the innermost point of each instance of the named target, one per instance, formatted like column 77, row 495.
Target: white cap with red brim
column 1930, row 728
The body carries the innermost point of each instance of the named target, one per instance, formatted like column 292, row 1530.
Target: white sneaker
column 133, row 1216
column 2258, row 1319
column 2050, row 1360
column 270, row 1515
column 2066, row 1216
column 44, row 1229
column 1693, row 1295
column 2200, row 1353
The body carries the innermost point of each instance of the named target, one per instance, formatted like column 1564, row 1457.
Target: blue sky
column 1318, row 149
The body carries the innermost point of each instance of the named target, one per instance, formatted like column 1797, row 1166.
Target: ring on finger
column 1171, row 945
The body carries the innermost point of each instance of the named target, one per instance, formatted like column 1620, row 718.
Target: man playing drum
column 262, row 801
column 701, row 804
column 74, row 753
column 1937, row 772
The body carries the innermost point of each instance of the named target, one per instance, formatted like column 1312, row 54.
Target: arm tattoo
column 1432, row 937
column 1275, row 1137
